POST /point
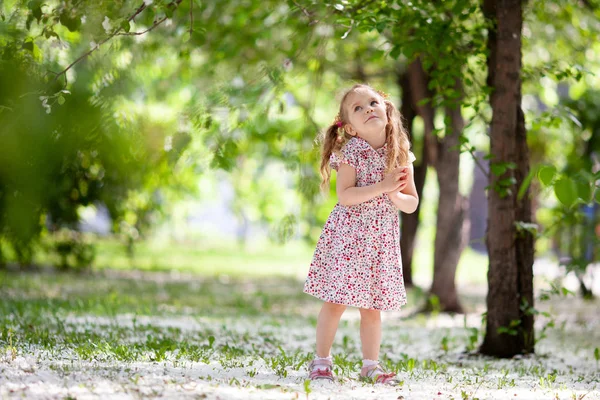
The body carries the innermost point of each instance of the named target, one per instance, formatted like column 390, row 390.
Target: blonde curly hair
column 335, row 137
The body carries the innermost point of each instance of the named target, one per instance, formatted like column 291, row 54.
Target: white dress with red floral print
column 357, row 258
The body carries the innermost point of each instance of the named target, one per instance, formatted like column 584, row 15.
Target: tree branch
column 191, row 18
column 306, row 12
column 141, row 8
column 481, row 167
column 157, row 23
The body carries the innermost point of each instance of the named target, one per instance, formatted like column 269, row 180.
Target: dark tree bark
column 410, row 222
column 509, row 329
column 420, row 92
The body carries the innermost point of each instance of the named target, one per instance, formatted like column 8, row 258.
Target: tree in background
column 433, row 88
column 134, row 100
column 509, row 319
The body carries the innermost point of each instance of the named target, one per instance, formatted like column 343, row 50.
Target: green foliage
column 139, row 117
column 511, row 329
column 73, row 249
column 64, row 149
column 574, row 220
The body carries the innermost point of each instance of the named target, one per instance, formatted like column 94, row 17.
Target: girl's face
column 366, row 113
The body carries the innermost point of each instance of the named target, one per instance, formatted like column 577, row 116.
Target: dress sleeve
column 411, row 157
column 347, row 155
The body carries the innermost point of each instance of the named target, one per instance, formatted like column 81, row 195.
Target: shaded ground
column 134, row 335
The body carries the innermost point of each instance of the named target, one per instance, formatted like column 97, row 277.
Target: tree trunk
column 525, row 240
column 509, row 329
column 410, row 222
column 452, row 215
column 452, row 207
column 420, row 92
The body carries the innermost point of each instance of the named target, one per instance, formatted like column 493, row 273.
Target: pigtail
column 398, row 142
column 333, row 139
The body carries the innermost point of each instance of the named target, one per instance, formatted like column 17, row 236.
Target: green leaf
column 597, row 196
column 567, row 292
column 37, row 13
column 396, row 50
column 168, row 11
column 584, row 190
column 566, row 191
column 125, row 25
column 546, row 174
column 28, row 45
column 525, row 184
column 506, row 182
column 424, row 101
column 61, row 100
column 498, row 169
column 71, row 22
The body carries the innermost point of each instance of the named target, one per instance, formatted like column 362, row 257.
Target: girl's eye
column 356, row 108
column 374, row 101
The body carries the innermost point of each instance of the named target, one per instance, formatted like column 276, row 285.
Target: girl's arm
column 405, row 197
column 350, row 195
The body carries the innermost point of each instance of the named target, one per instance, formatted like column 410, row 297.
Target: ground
column 181, row 335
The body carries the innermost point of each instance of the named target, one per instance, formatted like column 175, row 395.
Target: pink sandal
column 376, row 374
column 320, row 373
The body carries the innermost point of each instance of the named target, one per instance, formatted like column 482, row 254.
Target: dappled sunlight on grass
column 169, row 334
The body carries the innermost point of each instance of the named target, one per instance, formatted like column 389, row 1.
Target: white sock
column 369, row 363
column 322, row 367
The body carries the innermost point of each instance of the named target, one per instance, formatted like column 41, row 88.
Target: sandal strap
column 321, row 374
column 377, row 374
column 320, row 362
column 385, row 377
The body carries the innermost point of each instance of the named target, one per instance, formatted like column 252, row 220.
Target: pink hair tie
column 339, row 124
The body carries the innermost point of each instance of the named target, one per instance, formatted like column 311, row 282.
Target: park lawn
column 131, row 334
column 259, row 259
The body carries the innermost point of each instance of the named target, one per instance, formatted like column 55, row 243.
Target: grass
column 254, row 335
column 211, row 318
column 258, row 259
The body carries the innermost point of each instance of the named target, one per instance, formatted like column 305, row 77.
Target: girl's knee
column 370, row 314
column 333, row 307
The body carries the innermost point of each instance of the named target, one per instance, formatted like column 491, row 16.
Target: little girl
column 357, row 259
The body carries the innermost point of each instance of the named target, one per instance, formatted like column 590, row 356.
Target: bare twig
column 157, row 23
column 191, row 18
column 84, row 55
column 304, row 10
column 138, row 11
column 117, row 31
column 481, row 167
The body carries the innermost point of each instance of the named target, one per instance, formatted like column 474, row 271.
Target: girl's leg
column 370, row 336
column 327, row 325
column 370, row 333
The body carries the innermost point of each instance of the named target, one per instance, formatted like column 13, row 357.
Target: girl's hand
column 395, row 179
column 403, row 182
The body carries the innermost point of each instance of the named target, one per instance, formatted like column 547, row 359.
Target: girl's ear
column 349, row 130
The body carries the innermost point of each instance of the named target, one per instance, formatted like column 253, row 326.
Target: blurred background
column 181, row 135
